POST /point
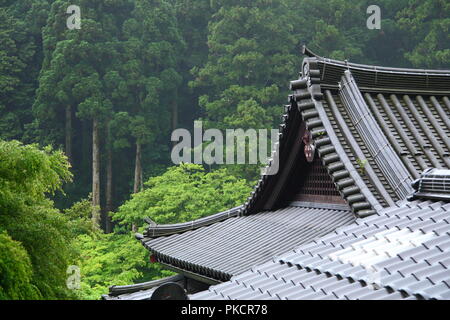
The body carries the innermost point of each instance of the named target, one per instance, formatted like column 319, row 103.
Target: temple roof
column 374, row 131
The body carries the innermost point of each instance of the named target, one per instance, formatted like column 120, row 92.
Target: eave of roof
column 155, row 230
column 217, row 251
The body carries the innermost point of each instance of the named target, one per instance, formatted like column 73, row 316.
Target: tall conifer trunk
column 96, row 218
column 175, row 110
column 109, row 184
column 137, row 169
column 137, row 175
column 69, row 132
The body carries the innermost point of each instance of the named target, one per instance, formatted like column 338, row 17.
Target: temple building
column 359, row 209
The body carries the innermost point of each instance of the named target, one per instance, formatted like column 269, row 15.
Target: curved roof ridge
column 306, row 51
column 158, row 230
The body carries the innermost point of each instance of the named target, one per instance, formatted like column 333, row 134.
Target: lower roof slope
column 401, row 252
column 227, row 248
column 276, row 281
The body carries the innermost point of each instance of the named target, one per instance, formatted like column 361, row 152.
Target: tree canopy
column 184, row 193
column 86, row 116
column 30, row 224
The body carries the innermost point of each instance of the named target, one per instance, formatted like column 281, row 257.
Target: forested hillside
column 86, row 115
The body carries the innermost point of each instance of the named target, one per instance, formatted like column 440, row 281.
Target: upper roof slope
column 392, row 122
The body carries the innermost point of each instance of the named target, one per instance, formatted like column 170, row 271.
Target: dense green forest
column 86, row 116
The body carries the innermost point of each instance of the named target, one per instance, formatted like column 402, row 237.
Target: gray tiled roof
column 404, row 252
column 375, row 129
column 235, row 245
column 276, row 281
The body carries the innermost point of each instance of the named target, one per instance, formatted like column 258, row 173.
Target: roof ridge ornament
column 310, row 148
column 307, row 52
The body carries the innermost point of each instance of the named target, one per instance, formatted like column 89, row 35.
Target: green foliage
column 16, row 271
column 20, row 62
column 121, row 65
column 241, row 107
column 362, row 165
column 333, row 28
column 13, row 56
column 79, row 215
column 427, row 24
column 105, row 259
column 185, row 192
column 148, row 74
column 27, row 175
column 110, row 259
column 251, row 47
column 251, row 54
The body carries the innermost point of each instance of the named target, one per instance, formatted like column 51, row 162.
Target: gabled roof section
column 307, row 98
column 375, row 128
column 404, row 112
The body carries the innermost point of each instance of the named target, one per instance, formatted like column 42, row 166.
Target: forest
column 86, row 116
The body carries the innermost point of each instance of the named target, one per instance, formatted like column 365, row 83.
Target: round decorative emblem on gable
column 306, row 70
column 310, row 148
